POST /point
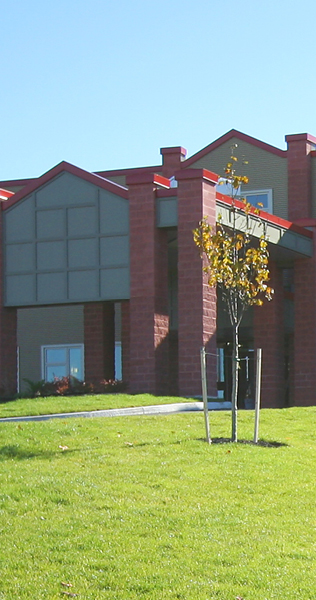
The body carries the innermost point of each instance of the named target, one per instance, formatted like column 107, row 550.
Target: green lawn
column 64, row 404
column 142, row 508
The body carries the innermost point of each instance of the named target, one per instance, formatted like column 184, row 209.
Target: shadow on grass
column 9, row 452
column 262, row 443
column 218, row 440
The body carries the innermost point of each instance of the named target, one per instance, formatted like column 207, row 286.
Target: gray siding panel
column 19, row 224
column 83, row 285
column 50, row 255
column 51, row 287
column 82, row 253
column 114, row 217
column 19, row 257
column 66, row 190
column 59, row 239
column 50, row 224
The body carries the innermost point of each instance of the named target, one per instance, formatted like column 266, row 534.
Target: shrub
column 66, row 386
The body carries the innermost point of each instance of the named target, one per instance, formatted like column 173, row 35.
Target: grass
column 64, row 404
column 142, row 508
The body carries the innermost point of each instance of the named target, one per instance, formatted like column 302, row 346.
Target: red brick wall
column 197, row 302
column 99, row 341
column 299, row 177
column 305, row 331
column 269, row 335
column 8, row 338
column 172, row 158
column 149, row 320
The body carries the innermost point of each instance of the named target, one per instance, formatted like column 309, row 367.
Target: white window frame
column 64, row 346
column 248, row 193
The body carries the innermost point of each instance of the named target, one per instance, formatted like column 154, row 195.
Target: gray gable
column 68, row 241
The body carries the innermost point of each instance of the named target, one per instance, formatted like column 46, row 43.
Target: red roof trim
column 16, row 182
column 67, row 167
column 197, row 174
column 5, row 194
column 268, row 217
column 143, row 178
column 225, row 138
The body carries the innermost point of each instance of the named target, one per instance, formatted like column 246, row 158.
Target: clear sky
column 104, row 84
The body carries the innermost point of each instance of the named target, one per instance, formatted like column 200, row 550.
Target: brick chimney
column 299, row 147
column 172, row 159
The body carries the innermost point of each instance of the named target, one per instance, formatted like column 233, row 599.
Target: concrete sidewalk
column 162, row 409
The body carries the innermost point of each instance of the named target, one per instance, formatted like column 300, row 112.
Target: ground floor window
column 63, row 361
column 118, row 360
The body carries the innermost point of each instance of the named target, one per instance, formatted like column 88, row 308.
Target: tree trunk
column 235, row 368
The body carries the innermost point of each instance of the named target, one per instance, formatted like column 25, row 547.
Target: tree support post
column 204, row 395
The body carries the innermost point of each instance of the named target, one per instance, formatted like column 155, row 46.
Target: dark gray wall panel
column 66, row 190
column 114, row 217
column 69, row 242
column 83, row 284
column 19, row 223
column 82, row 253
column 20, row 289
column 19, row 258
column 82, row 221
column 115, row 283
column 50, row 255
column 51, row 287
column 167, row 212
column 50, row 224
column 114, row 251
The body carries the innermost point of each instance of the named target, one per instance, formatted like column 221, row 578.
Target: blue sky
column 105, row 84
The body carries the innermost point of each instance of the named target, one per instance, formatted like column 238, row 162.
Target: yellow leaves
column 234, row 265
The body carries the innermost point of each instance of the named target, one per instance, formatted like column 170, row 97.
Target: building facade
column 100, row 277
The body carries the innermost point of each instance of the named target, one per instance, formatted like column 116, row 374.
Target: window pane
column 75, row 363
column 118, row 360
column 56, row 355
column 57, row 371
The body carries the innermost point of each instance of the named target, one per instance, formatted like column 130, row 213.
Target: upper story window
column 261, row 199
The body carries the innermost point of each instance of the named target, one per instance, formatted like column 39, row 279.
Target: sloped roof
column 61, row 168
column 233, row 133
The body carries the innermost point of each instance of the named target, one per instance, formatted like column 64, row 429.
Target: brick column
column 172, row 159
column 268, row 323
column 99, row 341
column 197, row 302
column 305, row 330
column 299, row 175
column 8, row 337
column 149, row 320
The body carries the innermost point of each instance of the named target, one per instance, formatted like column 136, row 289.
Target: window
column 62, row 361
column 255, row 197
column 118, row 360
column 258, row 197
column 220, row 372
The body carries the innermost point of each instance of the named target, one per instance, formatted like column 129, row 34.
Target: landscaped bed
column 142, row 507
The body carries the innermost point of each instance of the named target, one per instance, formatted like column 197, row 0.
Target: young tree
column 235, row 264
